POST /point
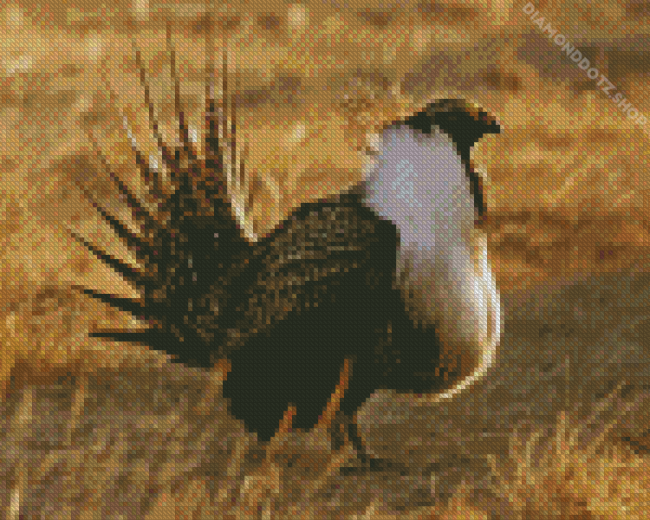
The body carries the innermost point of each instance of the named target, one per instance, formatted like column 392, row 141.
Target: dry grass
column 573, row 482
column 564, row 478
column 601, row 479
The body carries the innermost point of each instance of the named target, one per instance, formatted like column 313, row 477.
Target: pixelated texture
column 137, row 441
column 566, row 197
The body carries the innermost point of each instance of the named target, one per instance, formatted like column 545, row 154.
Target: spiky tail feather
column 178, row 241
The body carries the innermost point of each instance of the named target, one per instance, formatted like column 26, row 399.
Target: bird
column 286, row 311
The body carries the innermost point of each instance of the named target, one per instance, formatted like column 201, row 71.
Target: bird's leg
column 265, row 483
column 327, row 421
column 324, row 430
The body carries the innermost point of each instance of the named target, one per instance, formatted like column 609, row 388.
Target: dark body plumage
column 285, row 311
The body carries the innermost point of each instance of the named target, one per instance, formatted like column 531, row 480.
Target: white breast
column 419, row 182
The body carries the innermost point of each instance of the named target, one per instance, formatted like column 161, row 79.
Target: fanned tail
column 191, row 178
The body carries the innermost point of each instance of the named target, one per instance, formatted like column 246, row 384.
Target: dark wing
column 319, row 290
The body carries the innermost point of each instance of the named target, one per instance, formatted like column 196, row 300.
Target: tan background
column 566, row 184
